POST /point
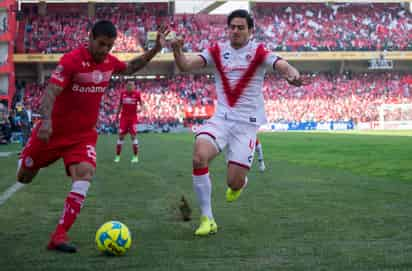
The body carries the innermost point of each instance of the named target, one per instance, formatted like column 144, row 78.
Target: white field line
column 9, row 192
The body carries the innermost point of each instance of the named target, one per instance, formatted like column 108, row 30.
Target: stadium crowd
column 62, row 30
column 284, row 26
column 355, row 97
column 281, row 26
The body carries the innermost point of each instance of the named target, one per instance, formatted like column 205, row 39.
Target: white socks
column 80, row 187
column 203, row 188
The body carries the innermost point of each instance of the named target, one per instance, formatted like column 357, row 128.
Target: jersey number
column 91, row 152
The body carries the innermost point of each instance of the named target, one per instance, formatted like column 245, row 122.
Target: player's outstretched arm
column 290, row 73
column 184, row 62
column 139, row 62
column 46, row 106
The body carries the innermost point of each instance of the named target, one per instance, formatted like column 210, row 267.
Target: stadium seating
column 329, row 97
column 284, row 27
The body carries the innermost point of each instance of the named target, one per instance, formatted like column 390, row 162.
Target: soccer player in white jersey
column 239, row 67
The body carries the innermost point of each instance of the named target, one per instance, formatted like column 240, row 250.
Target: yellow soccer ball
column 113, row 238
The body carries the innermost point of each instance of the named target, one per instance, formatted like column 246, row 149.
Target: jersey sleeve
column 63, row 73
column 207, row 57
column 119, row 66
column 271, row 60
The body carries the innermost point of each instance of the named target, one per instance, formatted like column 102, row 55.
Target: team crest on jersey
column 97, row 77
column 28, row 161
column 226, row 55
column 248, row 57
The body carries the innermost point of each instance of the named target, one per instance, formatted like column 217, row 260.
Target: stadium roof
column 205, row 2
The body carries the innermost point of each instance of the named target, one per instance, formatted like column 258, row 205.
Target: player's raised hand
column 177, row 43
column 45, row 130
column 162, row 33
column 299, row 81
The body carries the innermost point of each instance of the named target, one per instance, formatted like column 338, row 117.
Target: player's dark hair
column 241, row 13
column 104, row 28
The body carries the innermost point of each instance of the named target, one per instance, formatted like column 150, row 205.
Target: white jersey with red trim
column 241, row 96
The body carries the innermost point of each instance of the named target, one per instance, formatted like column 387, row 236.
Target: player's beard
column 238, row 41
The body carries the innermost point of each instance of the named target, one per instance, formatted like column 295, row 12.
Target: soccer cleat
column 207, row 226
column 232, row 195
column 135, row 159
column 262, row 166
column 117, row 159
column 60, row 242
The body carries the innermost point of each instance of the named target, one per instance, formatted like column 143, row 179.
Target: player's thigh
column 216, row 131
column 133, row 129
column 241, row 146
column 80, row 157
column 123, row 127
column 37, row 154
column 211, row 138
column 204, row 151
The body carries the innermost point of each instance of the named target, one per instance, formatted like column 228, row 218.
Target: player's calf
column 236, row 176
column 236, row 180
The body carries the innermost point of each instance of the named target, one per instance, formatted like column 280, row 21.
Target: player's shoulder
column 75, row 55
column 72, row 58
column 220, row 45
column 253, row 45
column 112, row 58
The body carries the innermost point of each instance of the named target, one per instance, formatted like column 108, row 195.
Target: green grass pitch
column 327, row 201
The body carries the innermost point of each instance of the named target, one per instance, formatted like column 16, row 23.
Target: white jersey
column 245, row 103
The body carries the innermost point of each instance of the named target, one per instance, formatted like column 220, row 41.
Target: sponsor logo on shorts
column 28, row 162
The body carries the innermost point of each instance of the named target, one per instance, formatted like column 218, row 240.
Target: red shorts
column 73, row 148
column 128, row 126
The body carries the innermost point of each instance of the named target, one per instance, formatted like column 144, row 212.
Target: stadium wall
column 7, row 69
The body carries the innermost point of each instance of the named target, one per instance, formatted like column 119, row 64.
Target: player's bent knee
column 82, row 171
column 199, row 160
column 25, row 176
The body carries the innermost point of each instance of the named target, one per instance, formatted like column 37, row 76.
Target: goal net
column 395, row 116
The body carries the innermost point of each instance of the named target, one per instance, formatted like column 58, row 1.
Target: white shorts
column 237, row 139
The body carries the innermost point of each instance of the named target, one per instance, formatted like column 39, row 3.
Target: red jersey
column 84, row 82
column 129, row 100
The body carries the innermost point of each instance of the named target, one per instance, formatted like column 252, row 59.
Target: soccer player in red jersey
column 129, row 101
column 69, row 111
